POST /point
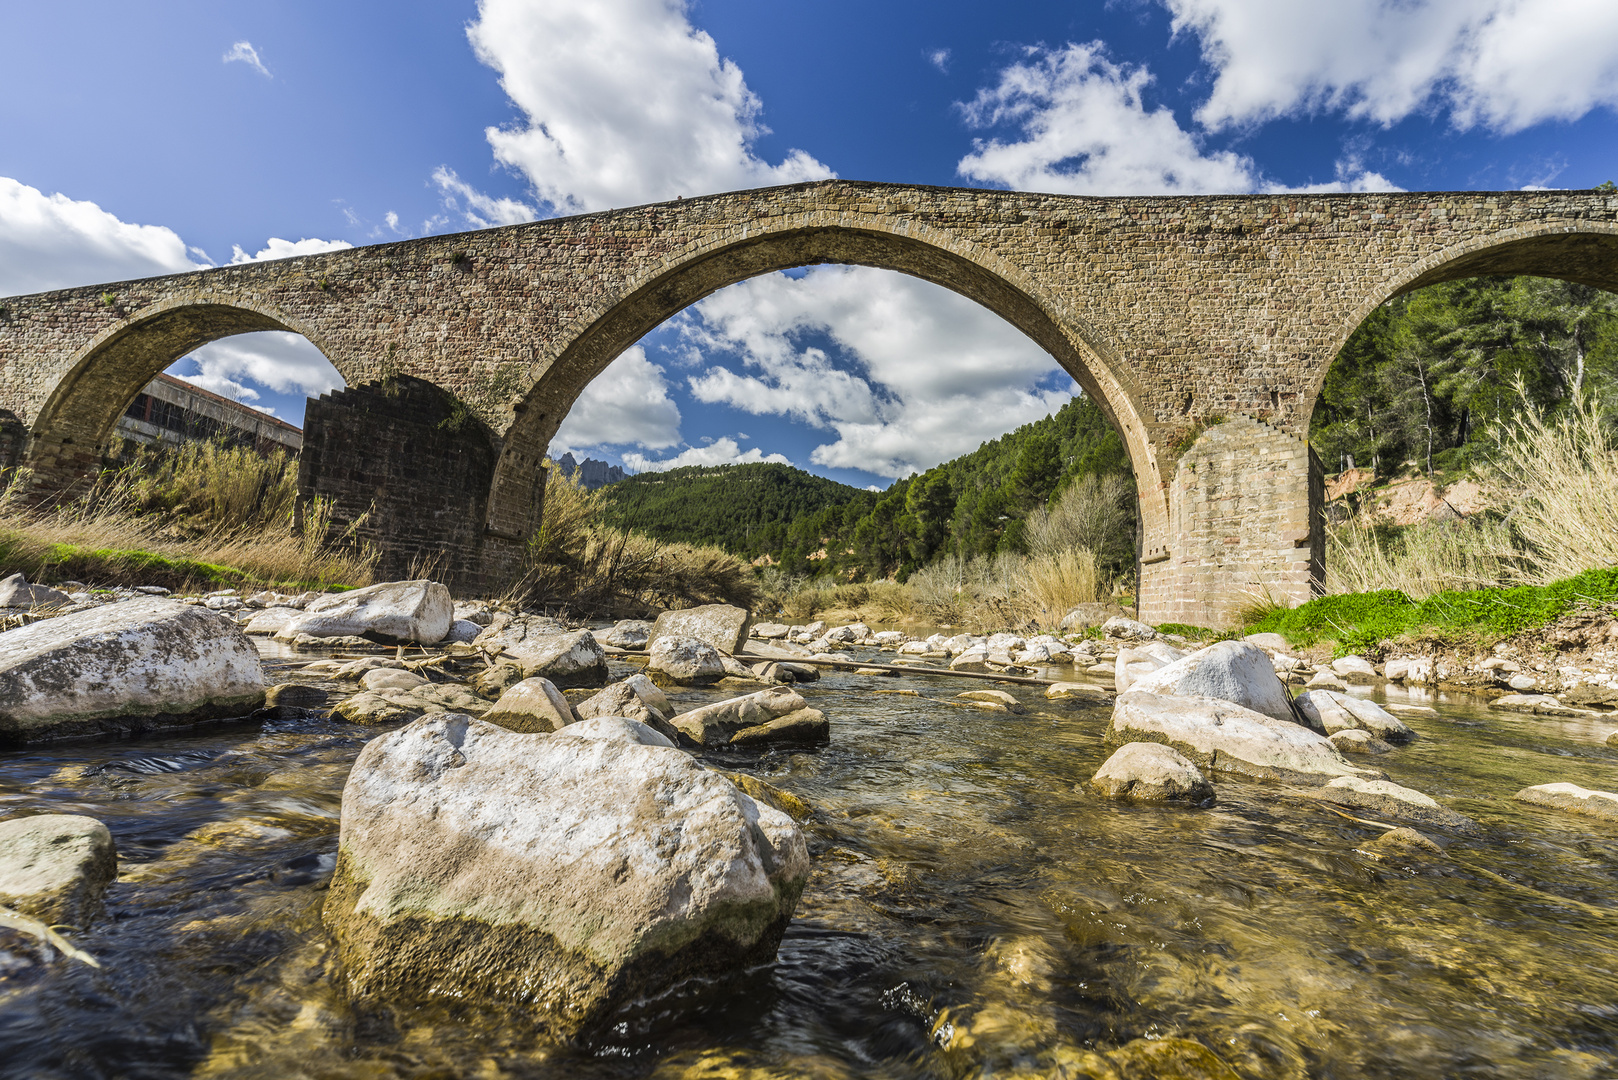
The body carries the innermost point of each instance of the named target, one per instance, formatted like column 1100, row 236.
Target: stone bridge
column 1203, row 325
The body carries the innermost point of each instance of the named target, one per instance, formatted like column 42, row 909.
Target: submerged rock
column 770, row 795
column 558, row 875
column 1393, row 800
column 139, row 665
column 1572, row 798
column 393, row 611
column 1221, row 735
column 722, row 626
column 997, row 697
column 1231, row 671
column 1169, row 1059
column 56, row 867
column 1063, row 691
column 532, row 705
column 1152, row 772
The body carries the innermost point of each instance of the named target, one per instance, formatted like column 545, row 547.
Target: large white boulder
column 1233, row 671
column 393, row 611
column 1218, row 734
column 56, row 867
column 1141, row 660
column 544, row 648
column 558, row 874
column 1333, row 711
column 684, row 660
column 723, row 626
column 1152, row 772
column 138, row 665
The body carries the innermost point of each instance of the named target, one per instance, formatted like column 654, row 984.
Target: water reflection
column 971, row 913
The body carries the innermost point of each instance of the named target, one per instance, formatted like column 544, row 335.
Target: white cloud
column 936, row 373
column 625, row 102
column 481, row 211
column 939, row 58
column 277, row 248
column 723, row 451
column 243, row 52
column 285, row 362
column 626, row 404
column 1503, row 64
column 1085, row 130
column 53, row 242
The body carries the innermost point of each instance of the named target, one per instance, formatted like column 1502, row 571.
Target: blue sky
column 140, row 139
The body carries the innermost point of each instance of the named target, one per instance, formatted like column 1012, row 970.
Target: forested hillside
column 974, row 505
column 1422, row 381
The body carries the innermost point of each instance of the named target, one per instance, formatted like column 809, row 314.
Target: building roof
column 258, row 414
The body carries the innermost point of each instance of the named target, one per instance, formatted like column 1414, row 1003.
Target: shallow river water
column 970, row 914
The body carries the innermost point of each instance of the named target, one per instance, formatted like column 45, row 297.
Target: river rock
column 560, row 876
column 1540, row 704
column 397, row 706
column 1231, row 671
column 627, row 634
column 1220, row 735
column 1404, row 841
column 722, row 626
column 770, row 795
column 1269, row 642
column 15, row 592
column 1572, row 798
column 1354, row 669
column 616, row 729
column 463, row 631
column 138, row 665
column 713, row 725
column 544, row 649
column 1358, row 741
column 1393, row 800
column 998, row 697
column 56, row 867
column 532, row 705
column 806, row 727
column 1416, row 669
column 1332, row 712
column 496, row 679
column 1084, row 616
column 295, row 696
column 685, row 660
column 973, row 659
column 1152, row 772
column 391, row 679
column 1141, row 660
column 1326, row 679
column 1066, row 691
column 271, row 620
column 394, row 611
column 472, row 612
column 770, row 631
column 1612, row 740
column 635, row 698
column 1127, row 629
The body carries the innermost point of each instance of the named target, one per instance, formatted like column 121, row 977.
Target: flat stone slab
column 1572, row 798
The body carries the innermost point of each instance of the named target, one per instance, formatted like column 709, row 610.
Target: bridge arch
column 945, row 260
column 77, row 420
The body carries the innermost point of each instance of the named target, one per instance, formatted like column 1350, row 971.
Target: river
column 971, row 913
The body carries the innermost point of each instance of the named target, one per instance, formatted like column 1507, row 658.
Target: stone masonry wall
column 412, row 467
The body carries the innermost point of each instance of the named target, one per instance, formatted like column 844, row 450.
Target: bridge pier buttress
column 1244, row 526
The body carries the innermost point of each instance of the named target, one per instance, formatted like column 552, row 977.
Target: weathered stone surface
column 391, row 679
column 1354, row 670
column 616, row 729
column 1358, row 741
column 636, row 698
column 393, row 611
column 1403, row 841
column 1410, row 670
column 16, row 592
column 463, row 631
column 139, row 665
column 1393, row 800
column 532, row 705
column 1333, row 711
column 1325, row 679
column 770, row 631
column 1141, row 660
column 1269, row 642
column 1065, row 691
column 998, row 697
column 1231, row 671
column 1152, row 772
column 685, row 660
column 1169, row 1059
column 564, row 875
column 544, row 648
column 295, row 696
column 1572, row 798
column 722, row 626
column 713, row 725
column 973, row 659
column 1219, row 735
column 1123, row 628
column 398, row 706
column 1542, row 704
column 56, row 867
column 271, row 620
column 806, row 727
column 770, row 795
column 496, row 679
column 628, row 634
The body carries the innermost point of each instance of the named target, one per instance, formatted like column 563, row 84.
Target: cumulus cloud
column 480, row 211
column 243, row 52
column 285, row 362
column 723, row 451
column 625, row 102
column 939, row 58
column 1502, row 64
column 627, row 404
column 277, row 248
column 933, row 374
column 53, row 242
column 1083, row 128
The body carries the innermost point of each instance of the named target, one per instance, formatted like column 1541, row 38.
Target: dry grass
column 1559, row 475
column 578, row 565
column 203, row 516
column 1422, row 559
